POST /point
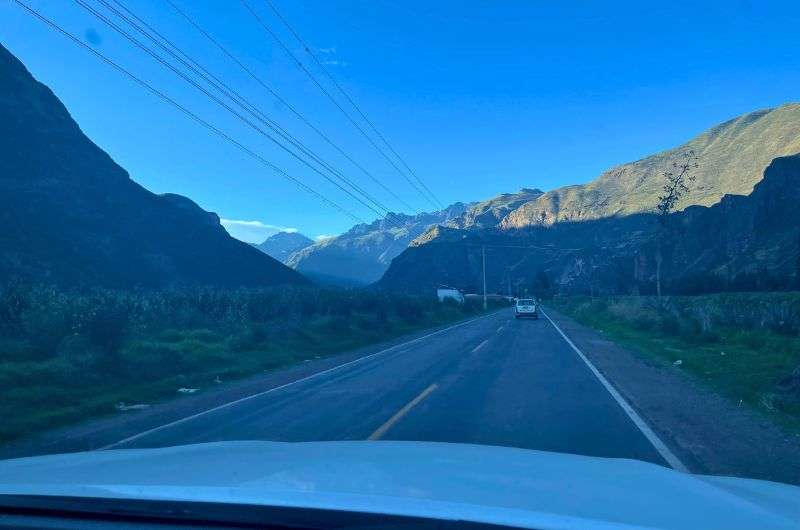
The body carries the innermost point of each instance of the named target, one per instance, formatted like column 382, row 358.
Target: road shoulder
column 102, row 432
column 710, row 434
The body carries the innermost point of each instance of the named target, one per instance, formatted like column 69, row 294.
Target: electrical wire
column 311, row 76
column 285, row 103
column 163, row 96
column 242, row 102
column 221, row 103
column 332, row 79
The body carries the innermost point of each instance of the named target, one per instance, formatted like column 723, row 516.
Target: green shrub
column 753, row 339
column 151, row 359
column 76, row 348
column 106, row 327
column 16, row 349
column 408, row 309
column 669, row 325
column 249, row 337
column 66, row 355
column 645, row 322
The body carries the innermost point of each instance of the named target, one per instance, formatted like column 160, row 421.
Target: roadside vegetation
column 745, row 346
column 66, row 356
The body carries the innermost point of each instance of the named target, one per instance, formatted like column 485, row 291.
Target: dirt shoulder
column 708, row 432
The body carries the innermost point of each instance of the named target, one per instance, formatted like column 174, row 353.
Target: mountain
column 362, row 254
column 732, row 158
column 69, row 215
column 489, row 213
column 601, row 236
column 281, row 245
column 741, row 243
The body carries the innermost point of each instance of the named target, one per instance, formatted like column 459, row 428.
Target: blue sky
column 478, row 97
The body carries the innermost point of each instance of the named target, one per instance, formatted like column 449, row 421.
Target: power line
column 327, row 73
column 294, row 111
column 188, row 112
column 221, row 103
column 527, row 247
column 222, row 87
column 336, row 103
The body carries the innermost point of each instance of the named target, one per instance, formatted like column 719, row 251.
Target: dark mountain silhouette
column 281, row 245
column 71, row 216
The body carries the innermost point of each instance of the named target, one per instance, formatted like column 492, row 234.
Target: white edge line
column 312, row 376
column 659, row 445
column 479, row 346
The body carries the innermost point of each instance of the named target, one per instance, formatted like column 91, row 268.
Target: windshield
column 558, row 229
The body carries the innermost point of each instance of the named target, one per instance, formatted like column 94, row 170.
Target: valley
column 665, row 288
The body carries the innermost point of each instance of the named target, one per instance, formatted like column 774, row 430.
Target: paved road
column 495, row 380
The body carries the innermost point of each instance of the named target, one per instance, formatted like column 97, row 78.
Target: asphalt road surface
column 494, row 380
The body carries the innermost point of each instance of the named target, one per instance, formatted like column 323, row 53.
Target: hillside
column 747, row 239
column 489, row 213
column 733, row 156
column 70, row 215
column 743, row 242
column 283, row 244
column 362, row 254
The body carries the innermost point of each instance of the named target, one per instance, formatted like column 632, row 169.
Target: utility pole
column 483, row 255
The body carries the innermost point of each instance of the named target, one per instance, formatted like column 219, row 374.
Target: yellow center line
column 402, row 412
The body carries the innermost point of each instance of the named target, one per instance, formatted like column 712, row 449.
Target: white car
column 526, row 308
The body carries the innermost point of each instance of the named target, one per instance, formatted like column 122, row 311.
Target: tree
column 542, row 286
column 675, row 186
column 797, row 266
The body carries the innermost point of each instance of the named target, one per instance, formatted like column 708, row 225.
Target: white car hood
column 498, row 485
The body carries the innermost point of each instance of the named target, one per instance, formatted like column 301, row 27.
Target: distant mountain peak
column 283, row 244
column 363, row 253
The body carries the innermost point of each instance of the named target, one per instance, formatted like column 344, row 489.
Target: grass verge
column 744, row 346
column 68, row 357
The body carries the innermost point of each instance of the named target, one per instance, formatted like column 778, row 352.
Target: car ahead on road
column 526, row 308
column 359, row 484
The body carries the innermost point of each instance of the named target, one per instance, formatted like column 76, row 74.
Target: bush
column 250, row 337
column 151, row 360
column 669, row 325
column 70, row 351
column 645, row 323
column 78, row 351
column 408, row 309
column 16, row 349
column 45, row 325
column 106, row 327
column 692, row 332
